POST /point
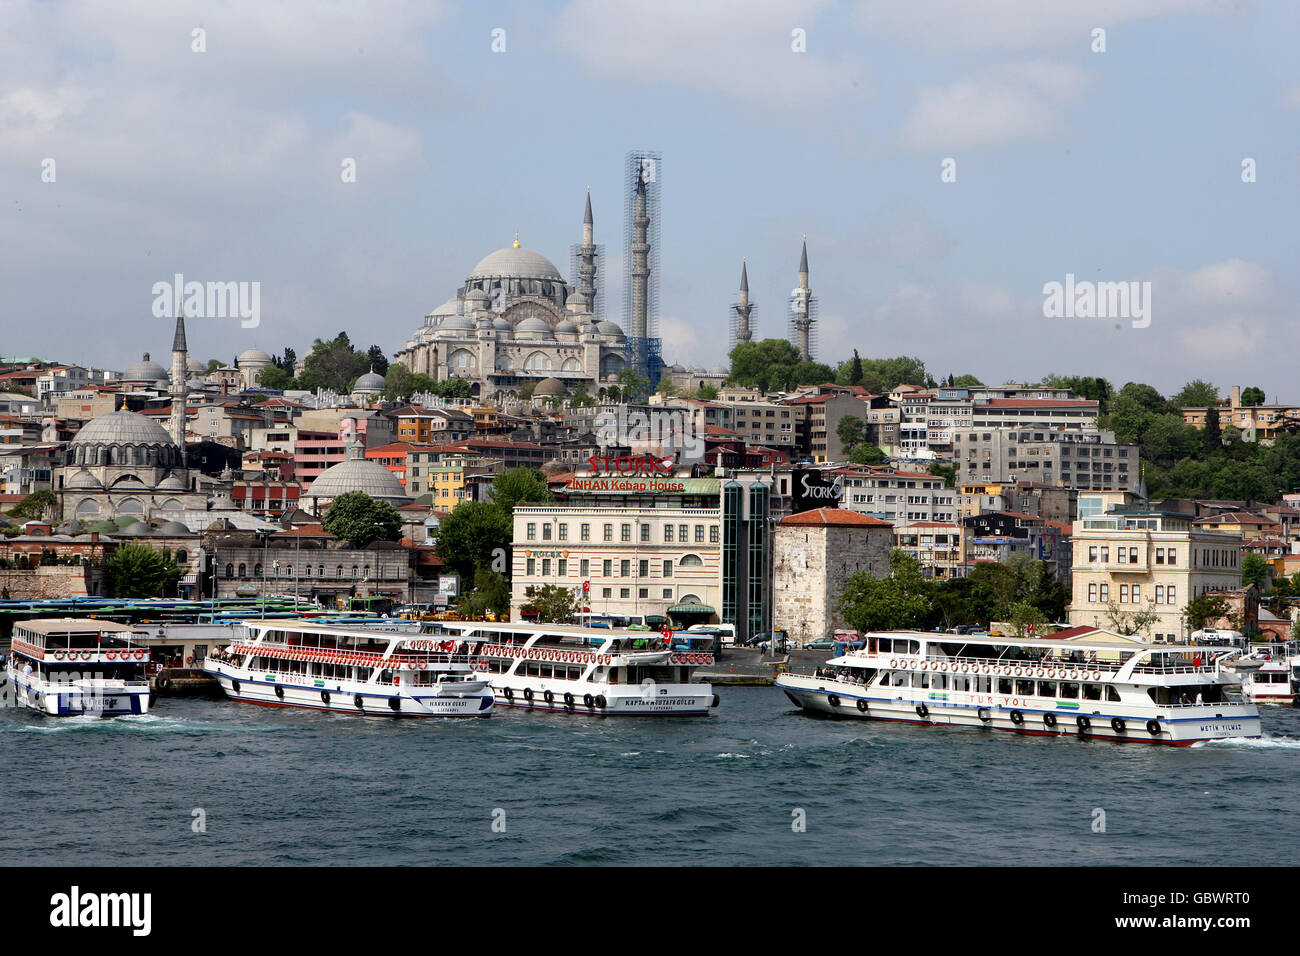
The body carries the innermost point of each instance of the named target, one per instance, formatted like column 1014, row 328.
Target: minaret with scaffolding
column 644, row 172
column 583, row 259
column 742, row 311
column 803, row 312
column 179, row 390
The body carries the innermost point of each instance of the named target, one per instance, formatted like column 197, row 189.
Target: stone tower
column 179, row 390
column 801, row 307
column 744, row 332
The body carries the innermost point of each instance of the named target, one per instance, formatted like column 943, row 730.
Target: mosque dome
column 610, row 328
column 145, row 370
column 451, row 307
column 534, row 328
column 566, row 326
column 370, row 382
column 357, row 474
column 195, row 367
column 456, row 323
column 550, row 388
column 516, row 262
column 173, row 528
column 253, row 357
column 122, row 428
column 501, row 324
column 84, row 479
column 172, row 482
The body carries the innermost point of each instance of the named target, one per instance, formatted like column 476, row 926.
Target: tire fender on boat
column 325, row 696
column 361, row 704
column 548, row 696
column 509, row 693
column 588, row 701
column 279, row 693
column 1117, row 724
column 1017, row 718
column 395, row 703
column 1083, row 722
column 716, row 700
column 862, row 705
column 832, row 700
column 984, row 714
column 923, row 711
column 600, row 701
column 1049, row 720
column 1153, row 727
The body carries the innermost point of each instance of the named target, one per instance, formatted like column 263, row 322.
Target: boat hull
column 61, row 700
column 1192, row 725
column 678, row 700
column 343, row 699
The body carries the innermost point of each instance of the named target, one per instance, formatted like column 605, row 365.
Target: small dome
column 196, row 383
column 221, row 524
column 370, row 382
column 125, row 521
column 84, row 479
column 136, row 529
column 566, row 326
column 122, row 428
column 477, row 299
column 253, row 357
column 534, row 328
column 610, row 328
column 145, row 370
column 550, row 388
column 172, row 482
column 516, row 262
column 456, row 323
column 195, row 367
column 357, row 474
column 719, row 370
column 501, row 324
column 173, row 528
column 450, row 307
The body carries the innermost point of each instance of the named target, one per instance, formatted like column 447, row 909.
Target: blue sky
column 224, row 165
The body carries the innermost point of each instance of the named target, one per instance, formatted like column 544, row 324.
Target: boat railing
column 997, row 664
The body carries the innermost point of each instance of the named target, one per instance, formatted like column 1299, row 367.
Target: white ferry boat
column 78, row 667
column 1270, row 674
column 1153, row 693
column 349, row 670
column 588, row 670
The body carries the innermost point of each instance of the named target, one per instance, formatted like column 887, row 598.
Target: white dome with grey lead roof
column 371, row 381
column 358, row 474
column 145, row 370
column 122, row 428
column 516, row 263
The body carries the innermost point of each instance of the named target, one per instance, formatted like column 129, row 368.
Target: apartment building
column 899, row 497
column 1257, row 422
column 1145, row 560
column 937, row 545
column 1085, row 459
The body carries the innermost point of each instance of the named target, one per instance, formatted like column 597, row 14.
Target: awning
column 691, row 609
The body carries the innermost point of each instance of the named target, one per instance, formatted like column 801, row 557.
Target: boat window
column 1025, row 688
column 941, row 681
column 1004, row 685
column 1092, row 692
column 1069, row 690
column 914, row 647
column 1047, row 688
column 921, row 680
column 1112, row 693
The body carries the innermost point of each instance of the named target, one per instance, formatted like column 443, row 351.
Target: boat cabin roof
column 1046, row 644
column 71, row 625
column 561, row 630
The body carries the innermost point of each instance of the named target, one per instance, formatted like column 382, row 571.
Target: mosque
column 516, row 321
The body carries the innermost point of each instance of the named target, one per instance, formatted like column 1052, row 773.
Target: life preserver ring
column 361, row 704
column 279, row 693
column 1016, row 671
column 1096, row 675
column 189, row 661
column 607, row 660
column 325, row 696
column 894, row 662
column 1083, row 722
column 139, row 655
column 1039, row 672
column 833, row 700
column 58, row 655
column 1050, row 721
column 925, row 665
column 862, row 705
column 1117, row 724
column 987, row 668
column 421, row 665
column 85, row 655
column 588, row 701
column 1017, row 718
column 943, row 667
column 922, row 711
column 1153, row 727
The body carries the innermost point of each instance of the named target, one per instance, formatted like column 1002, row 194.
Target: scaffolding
column 803, row 312
column 642, row 237
column 733, row 325
column 575, row 263
column 645, row 358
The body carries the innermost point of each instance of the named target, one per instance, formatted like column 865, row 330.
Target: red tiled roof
column 833, row 517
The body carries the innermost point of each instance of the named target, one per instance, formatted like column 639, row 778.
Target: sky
column 127, row 156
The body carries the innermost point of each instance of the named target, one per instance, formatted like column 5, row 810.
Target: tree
column 947, row 472
column 880, row 376
column 552, row 603
column 378, row 360
column 1201, row 610
column 1197, row 393
column 898, row 601
column 633, row 386
column 333, row 364
column 867, row 454
column 708, row 392
column 767, row 364
column 516, row 486
column 1212, row 434
column 275, row 377
column 1131, row 622
column 36, row 505
column 491, row 592
column 475, row 535
column 138, row 571
column 1255, row 570
column 966, row 381
column 851, row 431
column 360, row 519
column 1252, row 396
column 1027, row 620
column 855, row 370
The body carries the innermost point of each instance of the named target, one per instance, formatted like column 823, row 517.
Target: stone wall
column 52, row 581
column 810, row 567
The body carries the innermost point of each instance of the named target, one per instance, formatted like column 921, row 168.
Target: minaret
column 179, row 390
column 743, row 308
column 801, row 305
column 587, row 261
column 640, row 263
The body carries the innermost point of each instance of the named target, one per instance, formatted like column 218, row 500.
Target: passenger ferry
column 1270, row 674
column 588, row 670
column 1153, row 693
column 350, row 670
column 78, row 667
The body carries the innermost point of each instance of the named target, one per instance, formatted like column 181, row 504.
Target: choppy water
column 297, row 787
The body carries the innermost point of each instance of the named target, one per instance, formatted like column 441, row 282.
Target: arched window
column 243, row 570
column 86, row 507
column 181, row 556
column 339, row 572
column 571, row 365
column 257, row 570
column 230, row 571
column 691, row 561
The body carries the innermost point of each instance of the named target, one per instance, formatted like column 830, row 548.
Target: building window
column 1123, row 594
column 668, row 594
column 585, row 532
column 1160, row 594
column 532, row 531
column 564, row 532
column 683, row 532
column 1171, row 595
column 699, row 534
column 546, row 531
column 625, row 533
column 606, row 592
column 668, row 533
column 609, row 532
column 691, row 561
column 1092, row 593
column 645, row 533
column 1105, row 594
column 546, row 567
column 607, row 568
column 624, row 592
column 1137, row 594
column 625, row 568
column 531, row 567
column 643, row 568
column 584, row 567
column 713, row 534
column 668, row 569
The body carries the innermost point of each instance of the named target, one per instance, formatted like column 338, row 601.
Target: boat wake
column 126, row 723
column 1268, row 741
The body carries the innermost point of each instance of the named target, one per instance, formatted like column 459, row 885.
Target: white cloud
column 738, row 48
column 952, row 25
column 1003, row 104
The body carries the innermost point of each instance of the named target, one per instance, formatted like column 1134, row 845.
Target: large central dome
column 516, row 262
column 122, row 428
